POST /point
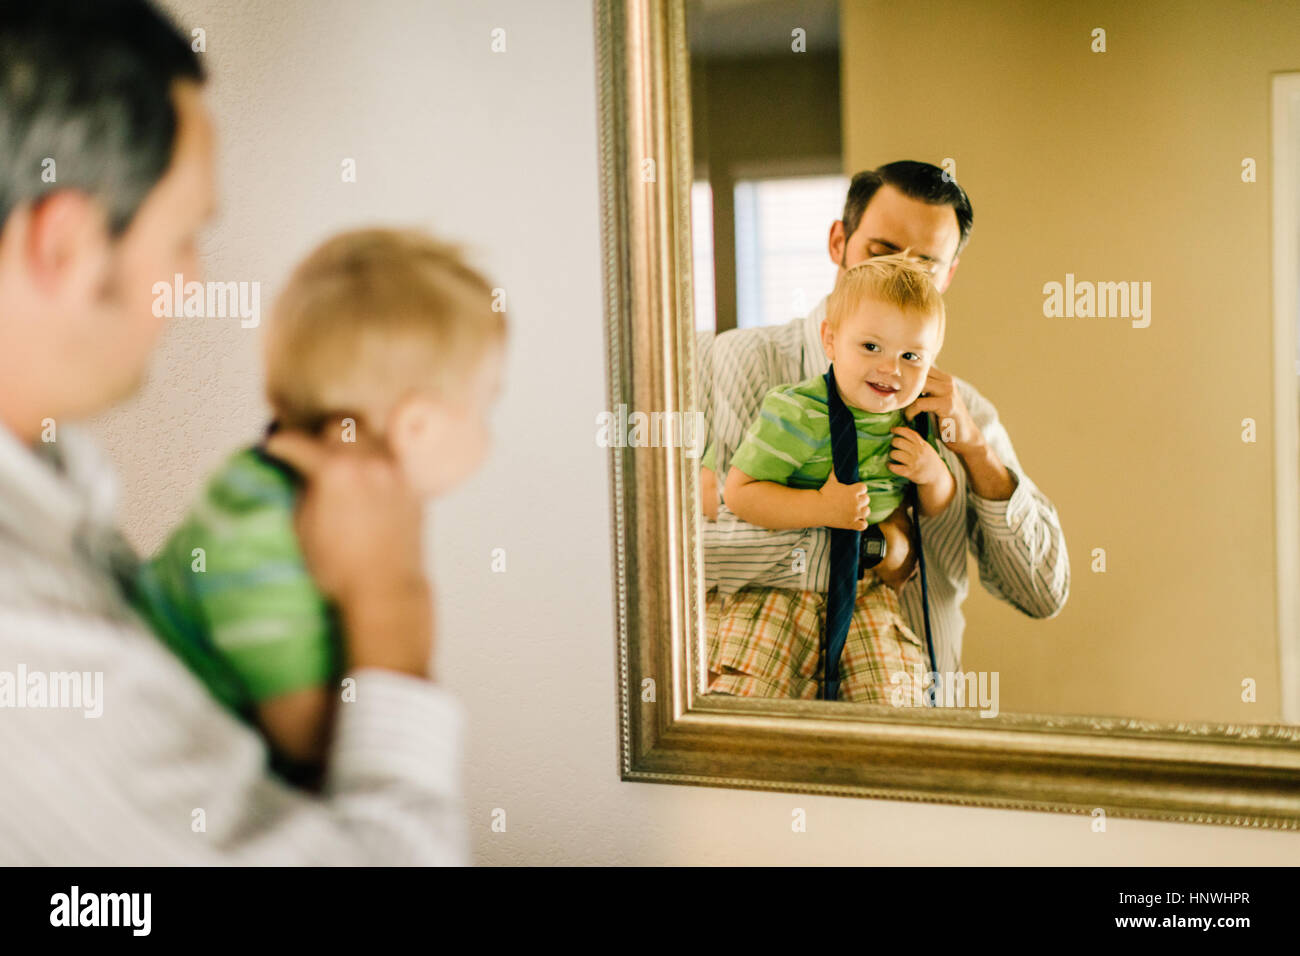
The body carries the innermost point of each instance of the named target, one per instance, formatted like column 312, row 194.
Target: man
column 999, row 514
column 107, row 98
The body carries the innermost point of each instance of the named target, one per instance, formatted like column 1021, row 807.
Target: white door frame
column 1286, row 379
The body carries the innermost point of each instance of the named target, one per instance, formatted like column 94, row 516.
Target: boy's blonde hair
column 895, row 279
column 371, row 316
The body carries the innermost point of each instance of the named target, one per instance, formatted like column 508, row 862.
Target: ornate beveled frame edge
column 1229, row 774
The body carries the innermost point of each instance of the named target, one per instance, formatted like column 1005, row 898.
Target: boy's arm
column 299, row 724
column 779, row 507
column 261, row 610
column 936, row 495
column 771, row 505
column 918, row 460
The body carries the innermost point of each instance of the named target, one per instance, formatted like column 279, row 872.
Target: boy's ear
column 828, row 339
column 411, row 421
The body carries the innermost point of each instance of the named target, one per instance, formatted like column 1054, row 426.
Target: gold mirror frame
column 1233, row 774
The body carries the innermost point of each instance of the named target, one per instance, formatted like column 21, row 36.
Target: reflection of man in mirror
column 767, row 589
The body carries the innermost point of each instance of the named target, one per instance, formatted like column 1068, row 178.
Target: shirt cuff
column 399, row 729
column 1003, row 517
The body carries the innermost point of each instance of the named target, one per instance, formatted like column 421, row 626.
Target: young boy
column 884, row 326
column 379, row 336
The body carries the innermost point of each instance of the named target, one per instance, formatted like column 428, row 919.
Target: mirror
column 1106, row 501
column 1142, row 573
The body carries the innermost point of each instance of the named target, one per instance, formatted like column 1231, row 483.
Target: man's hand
column 709, row 493
column 940, row 395
column 359, row 524
column 987, row 476
column 845, row 506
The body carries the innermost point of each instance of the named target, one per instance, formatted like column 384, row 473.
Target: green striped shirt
column 230, row 592
column 790, row 443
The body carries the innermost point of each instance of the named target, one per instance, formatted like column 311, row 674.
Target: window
column 782, row 267
column 702, row 255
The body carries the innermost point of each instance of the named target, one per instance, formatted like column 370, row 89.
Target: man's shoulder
column 786, row 337
column 982, row 411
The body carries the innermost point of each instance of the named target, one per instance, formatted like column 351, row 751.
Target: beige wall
column 502, row 153
column 1115, row 166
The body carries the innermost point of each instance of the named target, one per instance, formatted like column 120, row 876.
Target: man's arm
column 738, row 554
column 709, row 494
column 164, row 775
column 1016, row 533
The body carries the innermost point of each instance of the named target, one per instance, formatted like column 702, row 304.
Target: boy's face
column 442, row 441
column 881, row 355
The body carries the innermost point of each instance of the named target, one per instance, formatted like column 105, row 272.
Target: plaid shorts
column 764, row 642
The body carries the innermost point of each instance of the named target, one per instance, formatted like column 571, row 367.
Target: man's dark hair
column 921, row 181
column 87, row 83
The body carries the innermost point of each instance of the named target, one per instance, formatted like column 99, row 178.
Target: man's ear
column 66, row 245
column 952, row 271
column 836, row 242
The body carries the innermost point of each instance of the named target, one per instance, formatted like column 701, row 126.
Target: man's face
column 161, row 241
column 89, row 299
column 893, row 222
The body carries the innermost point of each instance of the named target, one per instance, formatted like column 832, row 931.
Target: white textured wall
column 500, row 152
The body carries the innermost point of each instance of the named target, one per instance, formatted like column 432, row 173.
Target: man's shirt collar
column 815, row 361
column 57, row 493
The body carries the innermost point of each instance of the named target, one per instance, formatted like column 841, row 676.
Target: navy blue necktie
column 846, row 545
column 841, row 596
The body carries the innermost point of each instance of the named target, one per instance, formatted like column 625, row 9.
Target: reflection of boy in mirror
column 883, row 329
column 761, row 582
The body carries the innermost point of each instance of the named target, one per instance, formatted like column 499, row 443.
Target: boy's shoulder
column 250, row 480
column 810, row 394
column 249, row 497
column 799, row 407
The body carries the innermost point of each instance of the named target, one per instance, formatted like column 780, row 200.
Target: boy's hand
column 846, row 506
column 914, row 458
column 359, row 524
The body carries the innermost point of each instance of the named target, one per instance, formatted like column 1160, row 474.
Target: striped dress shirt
column 162, row 774
column 1018, row 543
